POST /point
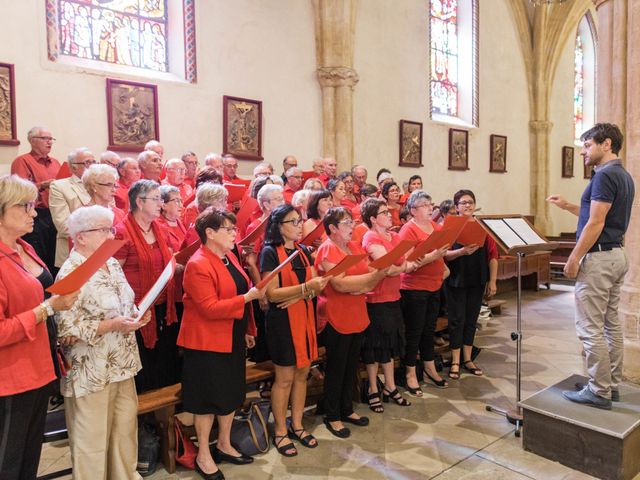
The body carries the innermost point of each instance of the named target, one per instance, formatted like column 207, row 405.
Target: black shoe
column 344, row 432
column 217, row 475
column 241, row 459
column 615, row 394
column 587, row 397
column 359, row 422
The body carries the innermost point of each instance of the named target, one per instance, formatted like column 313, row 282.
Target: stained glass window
column 444, row 57
column 578, row 89
column 124, row 32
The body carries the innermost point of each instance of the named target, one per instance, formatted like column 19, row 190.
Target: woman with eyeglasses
column 474, row 269
column 27, row 366
column 170, row 214
column 420, row 292
column 100, row 181
column 391, row 193
column 143, row 258
column 383, row 338
column 101, row 405
column 290, row 324
column 217, row 327
column 343, row 304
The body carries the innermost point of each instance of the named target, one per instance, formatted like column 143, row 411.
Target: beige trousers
column 103, row 433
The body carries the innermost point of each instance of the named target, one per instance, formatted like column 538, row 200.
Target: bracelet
column 43, row 312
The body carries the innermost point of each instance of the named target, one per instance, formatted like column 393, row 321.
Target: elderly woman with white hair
column 101, row 405
column 299, row 201
column 207, row 195
column 100, row 182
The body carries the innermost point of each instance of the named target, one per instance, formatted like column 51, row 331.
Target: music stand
column 516, row 236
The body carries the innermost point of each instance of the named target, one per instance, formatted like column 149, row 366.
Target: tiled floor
column 448, row 434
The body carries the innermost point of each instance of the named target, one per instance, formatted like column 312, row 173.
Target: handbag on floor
column 249, row 432
column 186, row 450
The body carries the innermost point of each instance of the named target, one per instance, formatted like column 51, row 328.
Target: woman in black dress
column 290, row 324
column 216, row 327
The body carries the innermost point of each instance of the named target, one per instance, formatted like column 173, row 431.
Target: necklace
column 148, row 230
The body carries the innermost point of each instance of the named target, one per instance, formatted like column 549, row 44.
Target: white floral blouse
column 97, row 360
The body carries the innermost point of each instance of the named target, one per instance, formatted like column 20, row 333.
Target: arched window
column 584, row 111
column 122, row 36
column 453, row 86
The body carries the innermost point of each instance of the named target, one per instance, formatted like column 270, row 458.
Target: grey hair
column 210, row 193
column 124, row 161
column 152, row 143
column 73, row 154
column 173, row 161
column 276, row 179
column 256, row 184
column 143, row 156
column 299, row 198
column 109, row 155
column 187, row 154
column 34, row 132
column 416, row 196
column 91, row 174
column 358, row 167
column 265, row 192
column 291, row 171
column 166, row 191
column 212, row 156
column 85, row 218
column 140, row 189
column 260, row 165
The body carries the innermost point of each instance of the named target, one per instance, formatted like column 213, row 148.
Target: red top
column 122, row 196
column 350, row 204
column 287, row 193
column 387, row 290
column 395, row 216
column 25, row 356
column 429, row 276
column 257, row 245
column 359, row 231
column 492, row 248
column 189, row 214
column 185, row 189
column 237, row 180
column 324, row 178
column 345, row 312
column 37, row 170
column 118, row 215
column 211, row 303
column 176, row 234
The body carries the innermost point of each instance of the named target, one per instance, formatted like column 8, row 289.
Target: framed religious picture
column 458, row 149
column 242, row 124
column 498, row 154
column 7, row 106
column 567, row 162
column 410, row 144
column 588, row 171
column 132, row 113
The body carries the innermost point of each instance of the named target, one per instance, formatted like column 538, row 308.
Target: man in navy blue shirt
column 598, row 263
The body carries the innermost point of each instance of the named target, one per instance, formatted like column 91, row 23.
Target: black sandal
column 442, row 383
column 397, row 397
column 294, row 434
column 416, row 392
column 473, row 370
column 284, row 450
column 375, row 405
column 454, row 375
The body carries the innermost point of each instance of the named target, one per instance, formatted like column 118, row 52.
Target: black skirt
column 279, row 340
column 384, row 337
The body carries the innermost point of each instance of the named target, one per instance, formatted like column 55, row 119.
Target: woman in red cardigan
column 217, row 325
column 26, row 366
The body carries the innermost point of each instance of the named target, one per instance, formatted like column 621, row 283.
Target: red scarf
column 145, row 258
column 302, row 320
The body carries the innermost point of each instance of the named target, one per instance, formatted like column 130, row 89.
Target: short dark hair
column 214, row 219
column 333, row 184
column 312, row 205
column 334, row 216
column 601, row 131
column 370, row 208
column 386, row 187
column 405, row 214
column 342, row 175
column 138, row 189
column 208, row 175
column 368, row 189
column 382, row 170
column 445, row 206
column 461, row 193
column 257, row 184
column 272, row 236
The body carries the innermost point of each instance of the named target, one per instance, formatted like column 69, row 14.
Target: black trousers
column 463, row 305
column 341, row 367
column 22, row 420
column 420, row 312
column 161, row 365
column 43, row 239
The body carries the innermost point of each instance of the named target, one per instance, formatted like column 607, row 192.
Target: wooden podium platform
column 602, row 443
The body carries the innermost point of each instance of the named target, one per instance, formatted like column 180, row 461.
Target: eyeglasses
column 28, row 206
column 464, row 203
column 46, row 139
column 295, row 222
column 424, row 205
column 86, row 163
column 384, row 212
column 178, row 200
column 177, row 170
column 106, row 230
column 348, row 223
column 153, row 199
column 110, row 185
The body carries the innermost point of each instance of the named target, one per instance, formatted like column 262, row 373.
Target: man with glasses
column 289, row 162
column 110, row 158
column 293, row 184
column 38, row 167
column 67, row 195
column 176, row 171
column 190, row 160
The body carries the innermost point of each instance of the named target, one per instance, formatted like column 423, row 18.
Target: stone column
column 618, row 94
column 539, row 131
column 334, row 26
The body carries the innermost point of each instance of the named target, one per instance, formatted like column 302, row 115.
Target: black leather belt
column 604, row 247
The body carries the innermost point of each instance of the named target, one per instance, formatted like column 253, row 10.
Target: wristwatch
column 49, row 308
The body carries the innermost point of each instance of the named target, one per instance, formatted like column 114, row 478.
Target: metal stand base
column 514, row 416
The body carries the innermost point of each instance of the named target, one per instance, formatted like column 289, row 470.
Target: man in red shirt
column 38, row 167
column 359, row 174
column 294, row 183
column 190, row 160
column 129, row 172
column 230, row 167
column 329, row 168
column 214, row 161
column 175, row 176
column 150, row 165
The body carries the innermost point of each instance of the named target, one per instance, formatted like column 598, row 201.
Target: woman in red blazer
column 217, row 325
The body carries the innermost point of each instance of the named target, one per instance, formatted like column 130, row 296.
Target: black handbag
column 249, row 431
